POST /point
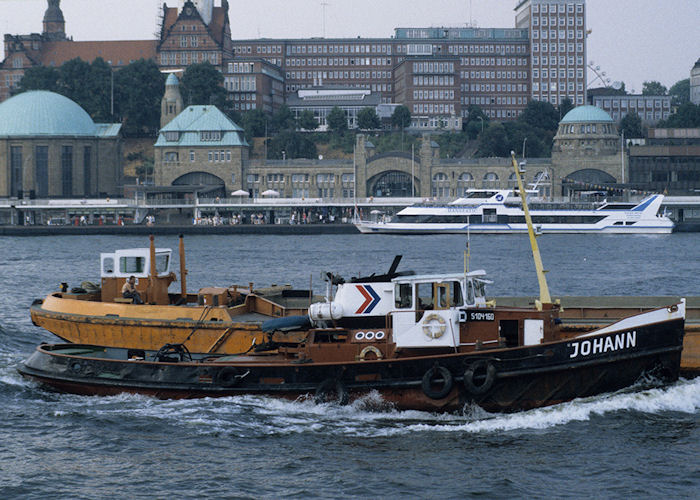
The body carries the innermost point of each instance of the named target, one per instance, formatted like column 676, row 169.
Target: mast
column 545, row 298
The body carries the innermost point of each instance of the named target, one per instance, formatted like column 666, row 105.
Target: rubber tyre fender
column 478, row 365
column 332, row 390
column 228, row 377
column 433, row 373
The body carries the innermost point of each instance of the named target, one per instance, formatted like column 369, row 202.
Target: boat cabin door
column 425, row 314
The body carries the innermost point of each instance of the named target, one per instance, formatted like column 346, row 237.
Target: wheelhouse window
column 424, row 294
column 131, row 265
column 162, row 263
column 403, row 296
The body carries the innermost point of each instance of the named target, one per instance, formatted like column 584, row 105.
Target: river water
column 634, row 443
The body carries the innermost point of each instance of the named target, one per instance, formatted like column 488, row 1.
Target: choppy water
column 641, row 443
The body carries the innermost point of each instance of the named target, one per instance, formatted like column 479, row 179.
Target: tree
column 653, row 88
column 307, row 120
column 283, row 119
column 367, row 119
column 540, row 114
column 476, row 121
column 337, row 121
column 494, row 141
column 253, row 122
column 40, row 78
column 76, row 82
column 631, row 126
column 686, row 116
column 202, row 84
column 680, row 92
column 565, row 106
column 401, row 117
column 138, row 91
column 294, row 145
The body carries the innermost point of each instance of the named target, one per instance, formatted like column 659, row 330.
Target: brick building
column 499, row 69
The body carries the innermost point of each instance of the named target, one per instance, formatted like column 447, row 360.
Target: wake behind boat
column 499, row 211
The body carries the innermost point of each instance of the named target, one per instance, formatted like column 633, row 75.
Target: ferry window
column 131, row 264
column 456, row 294
column 424, row 294
column 403, row 296
column 162, row 262
column 108, row 265
column 479, row 285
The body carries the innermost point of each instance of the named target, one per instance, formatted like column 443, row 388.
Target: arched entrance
column 589, row 180
column 391, row 184
column 205, row 184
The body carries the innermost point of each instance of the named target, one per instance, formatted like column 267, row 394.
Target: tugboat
column 428, row 342
column 213, row 320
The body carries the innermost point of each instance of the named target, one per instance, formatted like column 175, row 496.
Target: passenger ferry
column 499, row 211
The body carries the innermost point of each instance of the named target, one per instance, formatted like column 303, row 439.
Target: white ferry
column 500, row 211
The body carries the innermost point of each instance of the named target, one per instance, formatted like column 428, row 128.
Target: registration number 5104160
column 468, row 315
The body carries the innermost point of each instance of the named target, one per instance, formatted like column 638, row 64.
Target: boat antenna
column 545, row 298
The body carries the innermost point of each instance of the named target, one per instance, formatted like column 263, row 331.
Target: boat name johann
column 616, row 342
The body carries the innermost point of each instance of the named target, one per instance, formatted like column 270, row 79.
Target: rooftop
column 585, row 114
column 40, row 112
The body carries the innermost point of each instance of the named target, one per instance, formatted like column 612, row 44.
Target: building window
column 87, row 170
column 210, row 135
column 191, row 155
column 16, row 171
column 42, row 171
column 67, row 170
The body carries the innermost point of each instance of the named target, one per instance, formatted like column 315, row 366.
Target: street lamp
column 482, row 124
column 524, row 141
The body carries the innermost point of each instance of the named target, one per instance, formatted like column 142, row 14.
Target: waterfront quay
column 236, row 215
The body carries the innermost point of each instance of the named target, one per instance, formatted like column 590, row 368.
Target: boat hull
column 405, row 228
column 497, row 380
column 202, row 329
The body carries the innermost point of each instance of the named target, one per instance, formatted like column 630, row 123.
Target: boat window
column 456, row 294
column 107, row 265
column 402, row 296
column 424, row 294
column 479, row 285
column 470, row 292
column 162, row 262
column 131, row 264
column 441, row 294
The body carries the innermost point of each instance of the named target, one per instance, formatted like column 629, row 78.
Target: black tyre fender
column 434, row 373
column 332, row 390
column 478, row 369
column 228, row 377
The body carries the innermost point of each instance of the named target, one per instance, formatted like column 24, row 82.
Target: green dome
column 44, row 113
column 171, row 80
column 586, row 114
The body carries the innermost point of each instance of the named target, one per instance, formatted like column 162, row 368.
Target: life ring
column 434, row 326
column 228, row 377
column 433, row 376
column 479, row 370
column 368, row 349
column 332, row 390
column 76, row 367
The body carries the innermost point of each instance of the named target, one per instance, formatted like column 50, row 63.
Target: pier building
column 51, row 148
